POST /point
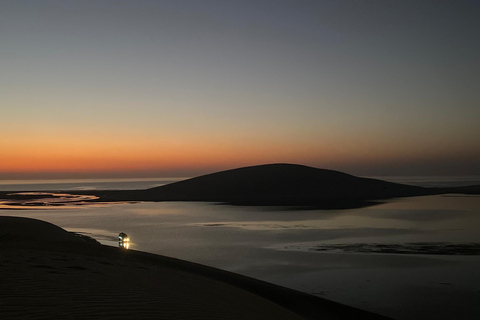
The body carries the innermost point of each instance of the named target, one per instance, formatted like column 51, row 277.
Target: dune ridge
column 272, row 185
column 47, row 272
column 282, row 182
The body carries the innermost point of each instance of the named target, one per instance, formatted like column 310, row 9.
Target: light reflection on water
column 254, row 241
column 103, row 236
column 428, row 219
column 40, row 200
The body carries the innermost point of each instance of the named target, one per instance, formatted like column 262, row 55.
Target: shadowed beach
column 47, row 272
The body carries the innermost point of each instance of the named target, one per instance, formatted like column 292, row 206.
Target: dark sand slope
column 275, row 184
column 48, row 273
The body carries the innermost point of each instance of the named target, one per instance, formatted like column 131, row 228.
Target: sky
column 179, row 88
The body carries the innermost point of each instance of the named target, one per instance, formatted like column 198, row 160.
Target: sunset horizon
column 101, row 89
column 240, row 159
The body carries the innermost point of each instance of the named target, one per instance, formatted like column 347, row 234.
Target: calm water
column 377, row 258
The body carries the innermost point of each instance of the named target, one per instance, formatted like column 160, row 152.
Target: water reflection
column 274, row 245
column 103, row 236
column 40, row 200
column 425, row 248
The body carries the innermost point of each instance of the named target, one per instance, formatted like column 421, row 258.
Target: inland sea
column 406, row 258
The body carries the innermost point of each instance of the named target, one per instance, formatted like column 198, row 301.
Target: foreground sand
column 46, row 273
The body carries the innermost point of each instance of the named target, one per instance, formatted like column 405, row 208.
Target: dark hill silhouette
column 282, row 184
column 276, row 185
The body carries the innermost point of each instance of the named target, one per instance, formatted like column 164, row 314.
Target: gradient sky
column 178, row 88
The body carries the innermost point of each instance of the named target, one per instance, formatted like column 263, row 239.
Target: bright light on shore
column 123, row 241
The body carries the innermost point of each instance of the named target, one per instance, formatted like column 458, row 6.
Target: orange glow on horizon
column 129, row 154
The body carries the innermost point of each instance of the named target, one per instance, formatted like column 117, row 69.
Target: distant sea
column 433, row 181
column 146, row 183
column 84, row 184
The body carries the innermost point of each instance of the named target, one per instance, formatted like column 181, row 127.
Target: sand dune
column 48, row 273
column 263, row 185
column 282, row 182
column 274, row 184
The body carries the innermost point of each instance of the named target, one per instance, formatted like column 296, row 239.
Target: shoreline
column 48, row 272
